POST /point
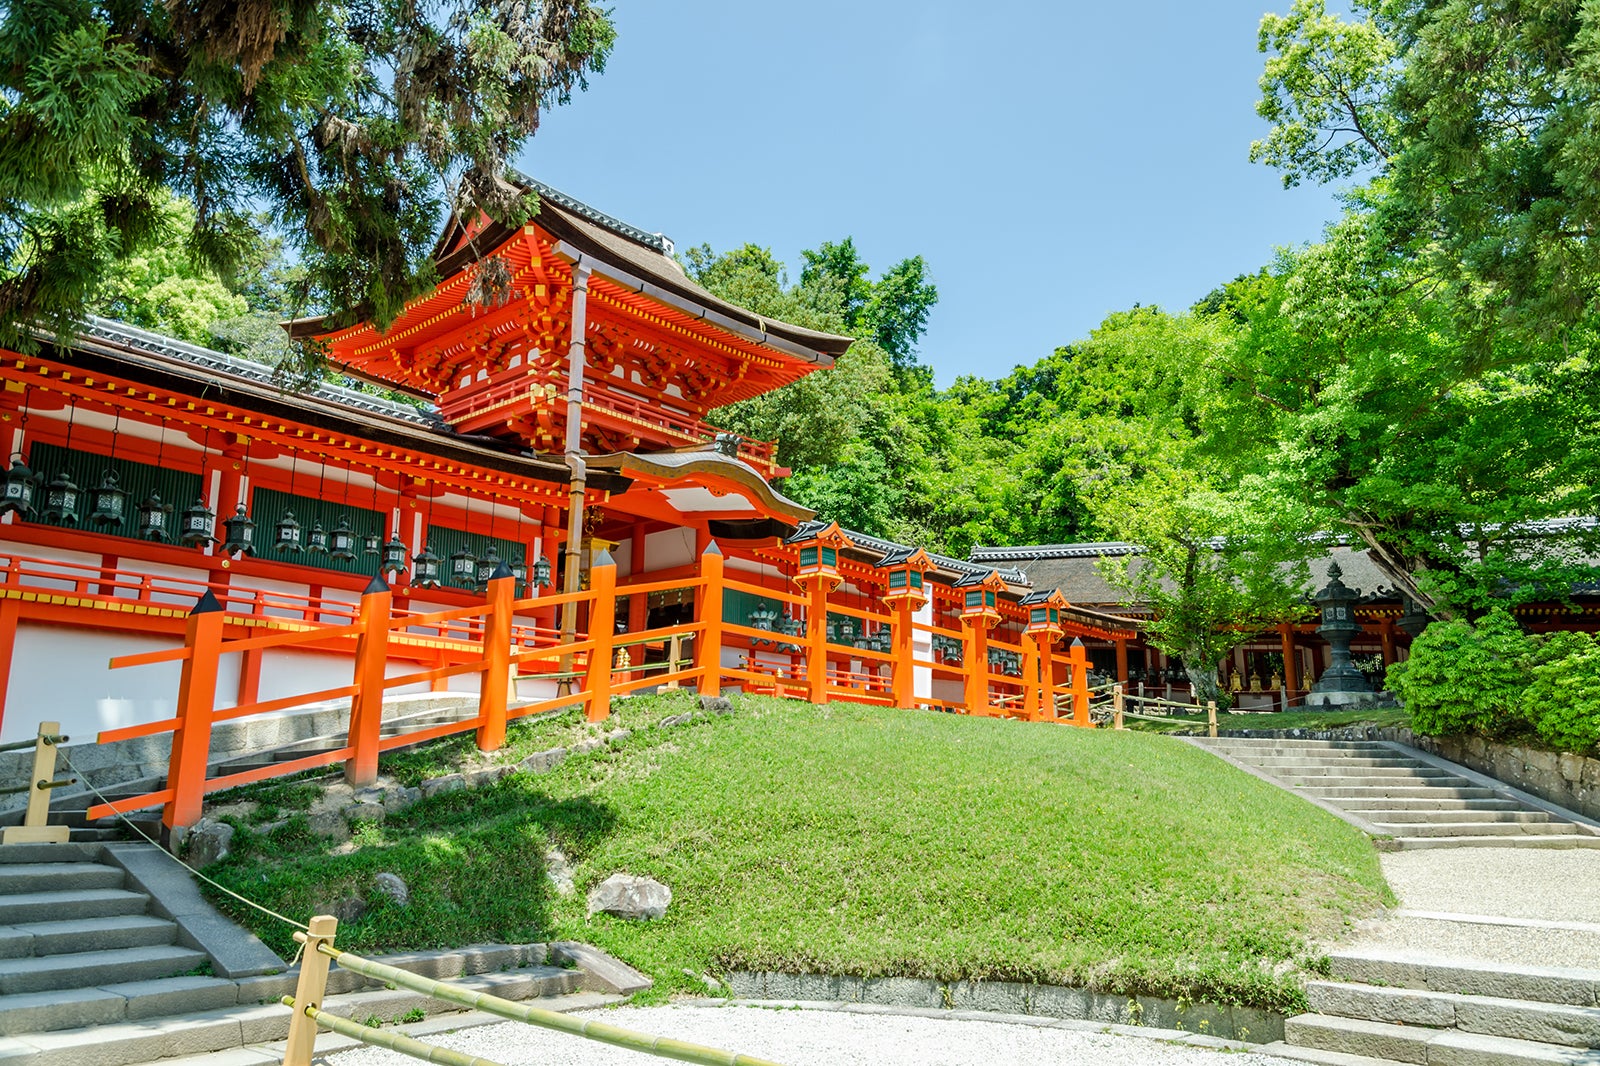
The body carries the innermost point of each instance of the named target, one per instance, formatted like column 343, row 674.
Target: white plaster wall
column 668, row 548
column 922, row 649
column 64, row 673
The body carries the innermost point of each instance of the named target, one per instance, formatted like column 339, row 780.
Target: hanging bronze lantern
column 317, row 540
column 286, row 534
column 463, row 568
column 486, row 568
column 61, row 498
column 199, row 522
column 519, row 570
column 541, row 571
column 342, row 541
column 394, row 555
column 108, row 503
column 372, row 543
column 19, row 488
column 426, row 574
column 153, row 519
column 239, row 534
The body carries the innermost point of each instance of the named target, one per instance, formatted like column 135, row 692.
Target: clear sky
column 1052, row 162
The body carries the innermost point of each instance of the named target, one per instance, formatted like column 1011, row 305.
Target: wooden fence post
column 35, row 828
column 708, row 645
column 308, row 992
column 1116, row 707
column 1078, row 657
column 197, row 700
column 366, row 706
column 495, row 684
column 674, row 650
column 1211, row 718
column 602, row 632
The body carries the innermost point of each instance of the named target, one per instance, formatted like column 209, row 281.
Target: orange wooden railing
column 489, row 642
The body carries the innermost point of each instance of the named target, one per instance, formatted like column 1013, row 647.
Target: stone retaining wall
column 1013, row 997
column 1567, row 780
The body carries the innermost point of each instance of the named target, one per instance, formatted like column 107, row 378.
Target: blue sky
column 1053, row 162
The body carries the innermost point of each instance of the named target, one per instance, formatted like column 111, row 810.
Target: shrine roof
column 141, row 355
column 702, row 463
column 624, row 254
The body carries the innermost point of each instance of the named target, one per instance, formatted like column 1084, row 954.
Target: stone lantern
column 1341, row 684
column 1414, row 620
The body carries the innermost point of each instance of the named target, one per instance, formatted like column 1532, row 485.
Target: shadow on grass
column 474, row 864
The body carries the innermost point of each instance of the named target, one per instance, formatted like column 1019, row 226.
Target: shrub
column 1464, row 678
column 1562, row 700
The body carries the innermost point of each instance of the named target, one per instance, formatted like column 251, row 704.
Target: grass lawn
column 858, row 840
column 1192, row 723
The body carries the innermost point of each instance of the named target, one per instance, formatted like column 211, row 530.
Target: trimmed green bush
column 1464, row 678
column 1563, row 698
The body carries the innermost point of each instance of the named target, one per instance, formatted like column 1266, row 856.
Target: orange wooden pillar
column 1030, row 680
column 1078, row 663
column 366, row 706
column 10, row 616
column 1122, row 662
column 602, row 633
column 197, row 698
column 494, row 686
column 709, row 644
column 975, row 667
column 905, row 679
column 817, row 639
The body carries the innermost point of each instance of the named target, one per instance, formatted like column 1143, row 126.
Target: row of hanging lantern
column 62, row 501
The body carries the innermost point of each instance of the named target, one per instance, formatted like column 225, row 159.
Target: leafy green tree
column 892, row 311
column 355, row 125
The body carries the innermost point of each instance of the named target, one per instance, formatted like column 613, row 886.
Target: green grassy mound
column 858, row 840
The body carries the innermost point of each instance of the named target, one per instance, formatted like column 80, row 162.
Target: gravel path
column 816, row 1037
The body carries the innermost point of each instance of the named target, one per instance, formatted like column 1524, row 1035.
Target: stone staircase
column 1411, row 1007
column 79, row 947
column 1414, row 800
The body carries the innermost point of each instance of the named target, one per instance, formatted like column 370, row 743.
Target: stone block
column 1351, row 1036
column 1544, row 1022
column 1406, row 1006
column 67, row 1008
column 543, row 761
column 716, row 704
column 1007, row 997
column 255, row 990
column 357, row 813
column 1453, row 1048
column 1057, row 1001
column 435, row 786
column 602, row 972
column 895, row 992
column 1571, row 767
column 1254, row 1026
column 1544, row 986
column 166, row 996
column 747, row 985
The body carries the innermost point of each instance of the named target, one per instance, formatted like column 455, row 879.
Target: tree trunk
column 1400, row 571
column 1204, row 682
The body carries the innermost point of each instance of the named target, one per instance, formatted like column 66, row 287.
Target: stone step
column 1372, row 781
column 1425, row 1046
column 1339, row 769
column 1547, row 1023
column 1312, row 759
column 29, row 877
column 1552, row 842
column 32, row 854
column 1430, row 803
column 62, row 937
column 1283, row 1050
column 74, row 1008
column 85, row 968
column 1320, row 748
column 1335, row 792
column 80, row 903
column 1444, row 973
column 1453, row 828
column 1479, row 817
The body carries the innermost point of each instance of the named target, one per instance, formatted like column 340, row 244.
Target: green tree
column 355, row 125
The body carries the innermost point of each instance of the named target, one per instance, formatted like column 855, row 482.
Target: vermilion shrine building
column 555, row 435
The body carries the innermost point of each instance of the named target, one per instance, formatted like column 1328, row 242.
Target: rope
column 129, row 823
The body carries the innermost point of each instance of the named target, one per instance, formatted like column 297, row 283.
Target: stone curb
column 1045, row 1004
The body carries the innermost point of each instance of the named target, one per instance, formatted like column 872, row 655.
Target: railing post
column 975, row 663
column 197, row 699
column 905, row 681
column 1031, row 647
column 1078, row 657
column 372, row 661
column 310, row 989
column 674, row 650
column 1211, row 718
column 602, row 631
column 709, row 642
column 495, row 684
column 1116, row 707
column 817, row 640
